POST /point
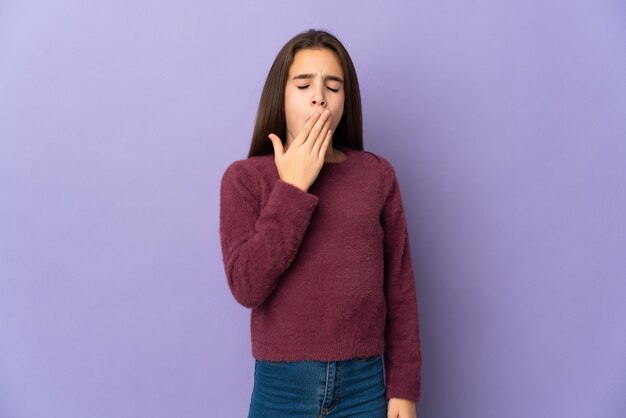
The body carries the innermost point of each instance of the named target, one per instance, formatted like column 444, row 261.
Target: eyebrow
column 328, row 77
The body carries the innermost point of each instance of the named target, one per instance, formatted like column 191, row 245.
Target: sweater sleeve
column 259, row 243
column 403, row 356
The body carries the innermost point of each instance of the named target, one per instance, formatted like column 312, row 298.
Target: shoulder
column 372, row 162
column 246, row 177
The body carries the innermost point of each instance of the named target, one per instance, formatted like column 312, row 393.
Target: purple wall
column 505, row 122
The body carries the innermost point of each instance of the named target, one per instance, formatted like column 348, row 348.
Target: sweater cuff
column 295, row 205
column 404, row 383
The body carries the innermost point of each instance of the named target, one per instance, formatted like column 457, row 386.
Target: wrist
column 296, row 184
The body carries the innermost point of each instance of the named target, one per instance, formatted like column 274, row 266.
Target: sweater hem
column 331, row 351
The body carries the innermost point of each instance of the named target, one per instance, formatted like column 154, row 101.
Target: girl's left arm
column 403, row 356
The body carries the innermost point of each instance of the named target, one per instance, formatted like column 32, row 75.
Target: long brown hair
column 271, row 113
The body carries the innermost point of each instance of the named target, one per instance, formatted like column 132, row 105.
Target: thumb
column 278, row 145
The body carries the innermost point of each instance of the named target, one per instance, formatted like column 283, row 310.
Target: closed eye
column 329, row 88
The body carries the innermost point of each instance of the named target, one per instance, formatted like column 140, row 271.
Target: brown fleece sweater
column 328, row 272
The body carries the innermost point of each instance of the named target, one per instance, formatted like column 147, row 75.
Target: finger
column 317, row 128
column 277, row 144
column 325, row 144
column 317, row 143
column 322, row 134
column 315, row 131
column 304, row 133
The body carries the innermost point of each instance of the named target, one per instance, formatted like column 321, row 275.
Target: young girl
column 314, row 240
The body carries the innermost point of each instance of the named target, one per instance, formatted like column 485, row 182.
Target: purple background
column 506, row 122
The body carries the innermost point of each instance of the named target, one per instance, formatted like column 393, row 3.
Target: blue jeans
column 314, row 389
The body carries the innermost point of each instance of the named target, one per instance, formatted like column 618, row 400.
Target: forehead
column 313, row 61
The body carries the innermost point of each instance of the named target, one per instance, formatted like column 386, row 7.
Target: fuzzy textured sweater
column 328, row 272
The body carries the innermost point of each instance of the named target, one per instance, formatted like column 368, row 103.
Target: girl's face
column 315, row 83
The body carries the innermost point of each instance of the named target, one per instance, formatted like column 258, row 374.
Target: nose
column 318, row 99
column 321, row 102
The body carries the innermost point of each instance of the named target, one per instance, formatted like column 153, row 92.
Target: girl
column 314, row 241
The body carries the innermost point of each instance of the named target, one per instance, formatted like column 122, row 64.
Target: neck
column 332, row 155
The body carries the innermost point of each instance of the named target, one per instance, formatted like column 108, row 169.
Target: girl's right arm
column 259, row 243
